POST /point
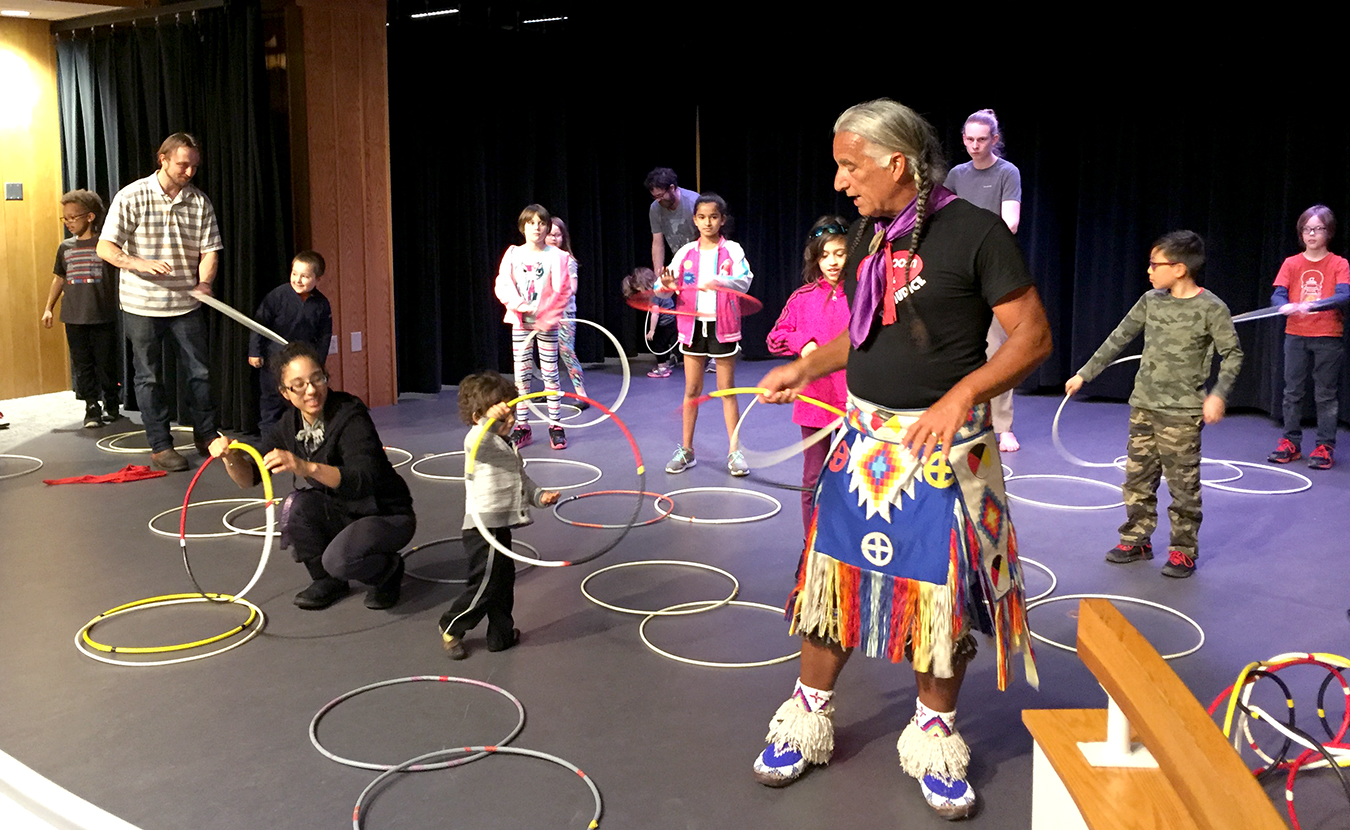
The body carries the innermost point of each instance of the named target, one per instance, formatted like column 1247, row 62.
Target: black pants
column 490, row 590
column 93, row 356
column 321, row 532
column 271, row 406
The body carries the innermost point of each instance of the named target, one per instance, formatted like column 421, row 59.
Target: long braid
column 917, row 330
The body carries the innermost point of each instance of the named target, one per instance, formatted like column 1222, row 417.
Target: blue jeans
column 147, row 336
column 1325, row 355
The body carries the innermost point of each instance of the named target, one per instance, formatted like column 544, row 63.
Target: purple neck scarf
column 872, row 270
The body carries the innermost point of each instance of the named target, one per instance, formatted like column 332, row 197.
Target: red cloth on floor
column 131, row 472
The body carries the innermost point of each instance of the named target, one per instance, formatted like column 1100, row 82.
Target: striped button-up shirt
column 144, row 222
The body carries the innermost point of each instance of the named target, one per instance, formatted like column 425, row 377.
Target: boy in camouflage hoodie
column 1184, row 326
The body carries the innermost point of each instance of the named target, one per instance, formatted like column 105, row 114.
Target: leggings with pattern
column 522, row 354
column 567, row 349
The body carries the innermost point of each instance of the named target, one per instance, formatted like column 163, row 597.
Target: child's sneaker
column 93, row 416
column 557, row 439
column 1285, row 452
column 454, row 647
column 711, row 367
column 1123, row 553
column 736, row 464
column 661, row 371
column 1321, row 458
column 681, row 461
column 521, row 436
column 1179, row 565
column 111, row 412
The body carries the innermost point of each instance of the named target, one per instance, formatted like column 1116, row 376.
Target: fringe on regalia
column 842, row 603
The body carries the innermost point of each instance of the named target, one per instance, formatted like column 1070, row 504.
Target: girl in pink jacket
column 814, row 315
column 535, row 282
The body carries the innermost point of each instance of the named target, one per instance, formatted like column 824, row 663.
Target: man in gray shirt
column 671, row 215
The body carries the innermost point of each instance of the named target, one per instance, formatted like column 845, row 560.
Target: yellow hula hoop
column 759, row 390
column 262, row 468
column 107, row 649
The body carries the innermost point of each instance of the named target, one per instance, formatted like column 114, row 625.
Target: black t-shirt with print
column 967, row 261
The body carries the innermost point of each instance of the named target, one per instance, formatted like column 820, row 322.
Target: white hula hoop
column 1007, row 471
column 758, row 459
column 108, row 443
column 1054, row 580
column 1116, row 598
column 431, row 476
column 642, row 632
column 735, row 588
column 261, row 530
column 398, row 464
column 23, row 472
column 253, row 631
column 569, row 463
column 179, row 509
column 1307, row 482
column 1057, row 476
column 1121, row 459
column 410, row 551
column 1054, row 426
column 577, row 414
column 648, row 327
column 623, row 389
column 777, row 506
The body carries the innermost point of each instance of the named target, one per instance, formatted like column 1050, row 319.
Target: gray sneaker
column 681, row 461
column 736, row 464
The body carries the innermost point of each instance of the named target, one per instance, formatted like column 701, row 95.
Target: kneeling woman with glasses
column 350, row 512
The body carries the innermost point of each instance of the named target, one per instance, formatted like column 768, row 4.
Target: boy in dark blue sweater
column 296, row 310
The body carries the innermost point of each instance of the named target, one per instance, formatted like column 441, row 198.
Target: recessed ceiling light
column 422, row 15
column 13, row 13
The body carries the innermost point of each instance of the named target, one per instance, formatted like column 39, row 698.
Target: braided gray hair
column 891, row 127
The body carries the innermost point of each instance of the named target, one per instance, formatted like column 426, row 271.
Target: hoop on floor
column 432, row 476
column 1115, row 598
column 597, row 526
column 777, row 506
column 1120, row 461
column 1307, row 482
column 261, row 530
column 710, row 604
column 270, row 528
column 768, row 459
column 1007, row 471
column 213, row 535
column 471, row 510
column 414, row 765
column 410, row 551
column 358, row 815
column 407, row 460
column 576, row 414
column 642, row 632
column 108, row 443
column 604, row 412
column 1030, row 476
column 22, row 472
column 171, row 599
column 569, row 463
column 1054, row 580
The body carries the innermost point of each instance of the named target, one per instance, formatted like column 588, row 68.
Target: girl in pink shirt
column 814, row 315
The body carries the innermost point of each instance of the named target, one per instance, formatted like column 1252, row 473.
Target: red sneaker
column 1321, row 458
column 1285, row 452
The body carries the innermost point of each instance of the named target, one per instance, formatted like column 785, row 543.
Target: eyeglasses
column 1153, row 265
column 830, row 228
column 74, row 218
column 1314, row 229
column 319, row 380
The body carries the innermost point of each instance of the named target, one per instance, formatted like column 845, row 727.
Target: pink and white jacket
column 816, row 311
column 535, row 286
column 732, row 271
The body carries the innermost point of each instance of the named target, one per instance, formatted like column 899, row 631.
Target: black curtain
column 123, row 89
column 1115, row 149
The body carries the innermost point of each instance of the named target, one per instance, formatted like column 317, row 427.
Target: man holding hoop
column 162, row 233
column 910, row 550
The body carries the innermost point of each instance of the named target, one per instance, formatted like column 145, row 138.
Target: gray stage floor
column 222, row 742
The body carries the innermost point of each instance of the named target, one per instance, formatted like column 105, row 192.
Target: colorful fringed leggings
column 522, row 354
column 567, row 349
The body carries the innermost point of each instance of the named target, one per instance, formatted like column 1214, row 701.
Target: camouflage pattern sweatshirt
column 1181, row 337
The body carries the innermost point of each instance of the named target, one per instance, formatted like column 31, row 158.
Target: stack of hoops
column 252, row 624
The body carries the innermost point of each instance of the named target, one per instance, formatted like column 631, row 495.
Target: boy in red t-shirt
column 1312, row 337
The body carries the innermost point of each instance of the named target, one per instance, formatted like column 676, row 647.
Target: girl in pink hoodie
column 814, row 315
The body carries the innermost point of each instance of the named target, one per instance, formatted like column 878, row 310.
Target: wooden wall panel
column 34, row 359
column 347, row 126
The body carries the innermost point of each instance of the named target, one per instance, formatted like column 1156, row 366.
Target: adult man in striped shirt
column 162, row 233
